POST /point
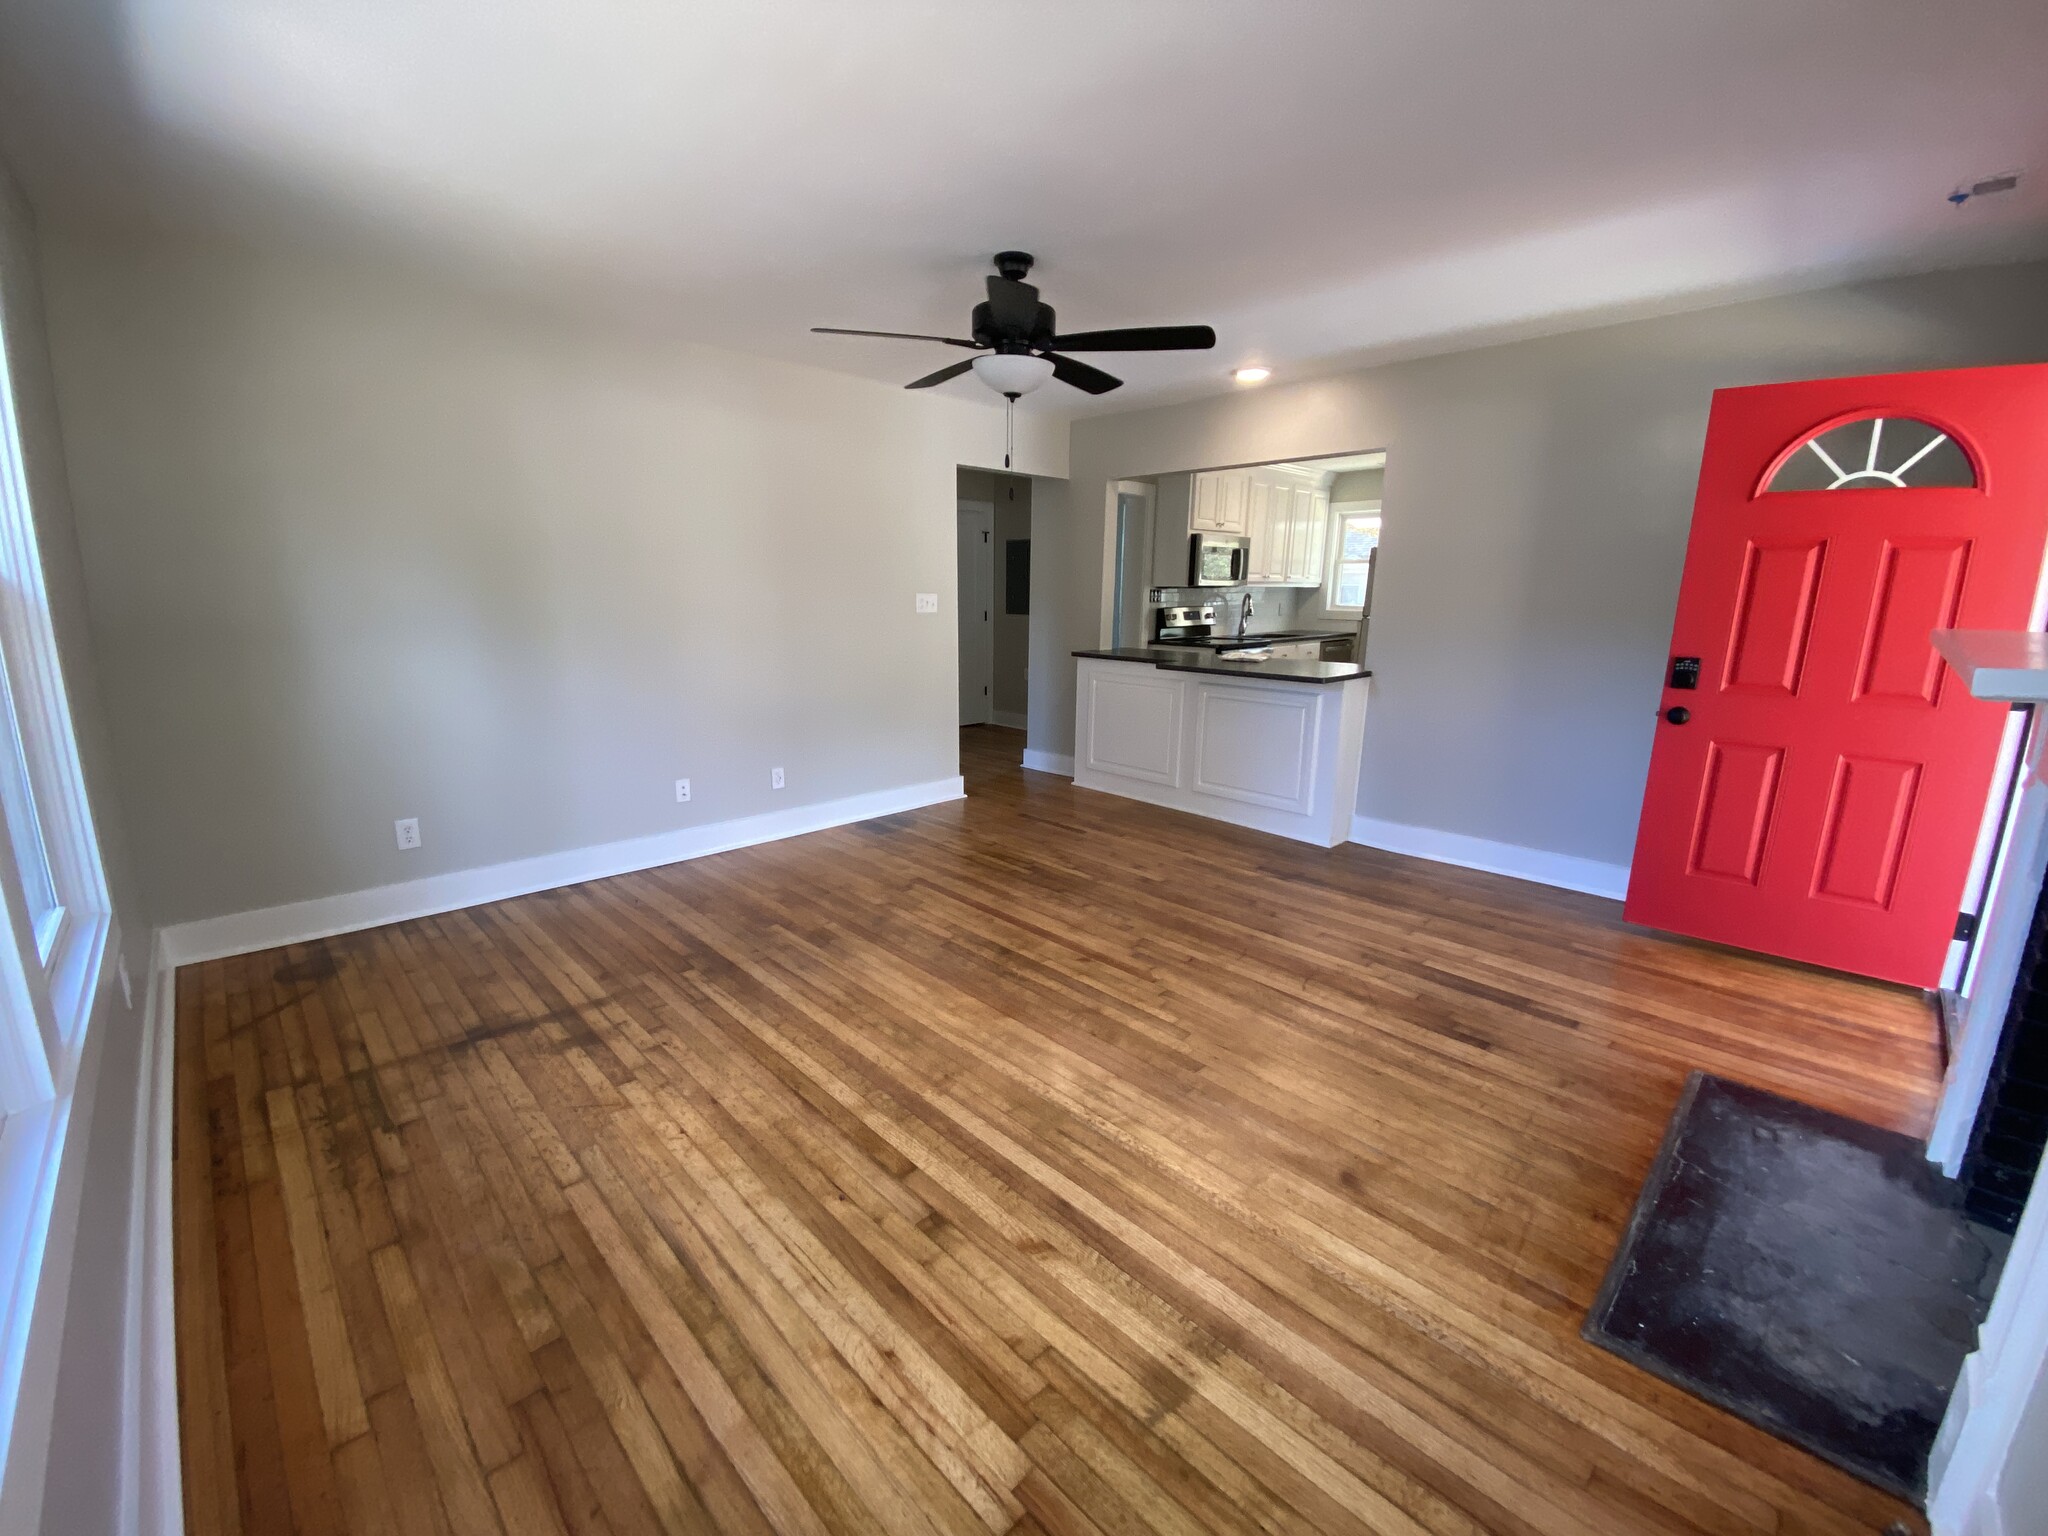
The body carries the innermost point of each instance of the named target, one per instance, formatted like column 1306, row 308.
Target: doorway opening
column 994, row 605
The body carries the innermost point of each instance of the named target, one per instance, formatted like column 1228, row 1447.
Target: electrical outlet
column 927, row 602
column 775, row 778
column 408, row 832
column 682, row 791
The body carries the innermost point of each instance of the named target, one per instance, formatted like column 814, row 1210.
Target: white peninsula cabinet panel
column 1257, row 745
column 1140, row 711
column 1276, row 755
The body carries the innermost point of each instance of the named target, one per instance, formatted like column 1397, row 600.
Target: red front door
column 1818, row 793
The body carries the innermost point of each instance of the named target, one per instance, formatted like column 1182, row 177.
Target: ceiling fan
column 1020, row 347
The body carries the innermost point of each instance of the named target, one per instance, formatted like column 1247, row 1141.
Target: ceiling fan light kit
column 1011, row 374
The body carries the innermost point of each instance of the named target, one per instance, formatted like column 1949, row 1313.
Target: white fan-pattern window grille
column 1874, row 453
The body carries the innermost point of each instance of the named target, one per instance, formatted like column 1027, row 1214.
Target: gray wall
column 1537, row 497
column 1057, row 605
column 71, row 1379
column 1358, row 485
column 361, row 548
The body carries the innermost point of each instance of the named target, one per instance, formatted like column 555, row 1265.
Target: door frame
column 1106, row 629
column 985, row 513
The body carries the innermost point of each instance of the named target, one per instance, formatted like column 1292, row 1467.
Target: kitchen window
column 1354, row 535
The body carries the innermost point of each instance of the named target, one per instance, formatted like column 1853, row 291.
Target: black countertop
column 1169, row 658
column 1277, row 637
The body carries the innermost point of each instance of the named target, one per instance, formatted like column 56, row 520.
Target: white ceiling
column 1325, row 183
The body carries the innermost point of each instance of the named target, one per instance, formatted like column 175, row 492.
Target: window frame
column 49, row 980
column 49, row 977
column 1334, row 557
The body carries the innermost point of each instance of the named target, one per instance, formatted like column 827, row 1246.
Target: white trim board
column 1980, row 1433
column 1546, row 868
column 152, row 1496
column 1061, row 763
column 241, row 933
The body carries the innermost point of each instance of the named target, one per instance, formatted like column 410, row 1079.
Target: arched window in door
column 1875, row 453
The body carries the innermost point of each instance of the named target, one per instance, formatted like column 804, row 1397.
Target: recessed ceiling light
column 1252, row 375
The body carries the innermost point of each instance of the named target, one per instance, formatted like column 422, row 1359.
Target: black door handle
column 1678, row 714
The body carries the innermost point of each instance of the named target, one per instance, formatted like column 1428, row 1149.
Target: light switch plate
column 927, row 602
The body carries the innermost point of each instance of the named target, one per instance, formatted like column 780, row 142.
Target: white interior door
column 977, row 589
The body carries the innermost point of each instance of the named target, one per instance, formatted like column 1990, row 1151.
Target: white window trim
column 1333, row 544
column 58, row 994
column 50, row 978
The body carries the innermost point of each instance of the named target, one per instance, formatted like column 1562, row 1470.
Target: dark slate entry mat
column 1809, row 1273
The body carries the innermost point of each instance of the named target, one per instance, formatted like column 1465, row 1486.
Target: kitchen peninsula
column 1271, row 744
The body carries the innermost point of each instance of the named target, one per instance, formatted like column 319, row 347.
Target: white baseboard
column 1561, row 869
column 1009, row 722
column 1061, row 763
column 241, row 933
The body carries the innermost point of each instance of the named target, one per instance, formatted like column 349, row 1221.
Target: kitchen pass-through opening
column 1279, row 558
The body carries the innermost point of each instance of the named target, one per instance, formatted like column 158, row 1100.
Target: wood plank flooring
column 950, row 1174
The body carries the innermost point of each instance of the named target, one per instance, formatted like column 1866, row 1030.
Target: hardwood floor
column 952, row 1173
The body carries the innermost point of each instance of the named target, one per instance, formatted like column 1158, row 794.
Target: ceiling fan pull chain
column 1009, row 428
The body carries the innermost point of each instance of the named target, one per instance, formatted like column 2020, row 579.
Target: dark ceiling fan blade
column 951, row 341
column 950, row 371
column 1080, row 375
column 1012, row 305
column 1138, row 338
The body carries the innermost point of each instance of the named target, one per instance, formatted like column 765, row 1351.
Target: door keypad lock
column 1685, row 672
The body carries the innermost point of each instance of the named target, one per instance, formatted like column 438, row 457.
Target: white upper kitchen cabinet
column 1285, row 528
column 1306, row 549
column 1221, row 501
column 1290, row 529
column 1282, row 512
column 1261, row 523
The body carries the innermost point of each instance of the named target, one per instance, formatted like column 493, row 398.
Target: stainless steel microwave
column 1218, row 560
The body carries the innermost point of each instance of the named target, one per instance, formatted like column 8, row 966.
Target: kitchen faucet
column 1244, row 617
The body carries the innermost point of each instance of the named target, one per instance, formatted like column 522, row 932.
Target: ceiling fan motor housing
column 983, row 329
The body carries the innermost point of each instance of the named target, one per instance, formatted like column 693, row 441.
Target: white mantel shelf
column 2008, row 666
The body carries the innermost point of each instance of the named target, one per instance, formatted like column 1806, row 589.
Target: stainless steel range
column 1186, row 626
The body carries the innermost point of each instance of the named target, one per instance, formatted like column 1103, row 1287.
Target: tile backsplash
column 1272, row 607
